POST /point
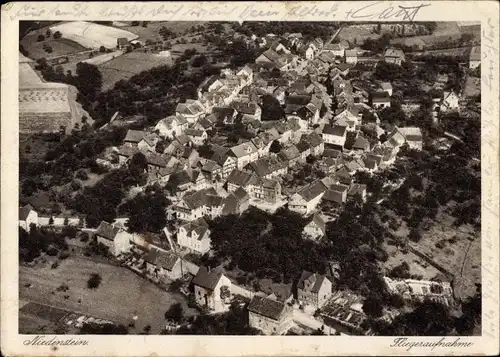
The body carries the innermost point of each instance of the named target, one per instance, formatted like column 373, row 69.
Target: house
column 125, row 153
column 244, row 154
column 197, row 137
column 272, row 317
column 239, row 178
column 314, row 142
column 314, row 289
column 290, row 154
column 212, row 170
column 336, row 194
column 191, row 110
column 251, row 109
column 361, row 144
column 343, row 175
column 212, row 289
column 171, row 126
column 395, row 139
column 268, row 167
column 413, row 137
column 336, row 49
column 316, row 228
column 224, row 114
column 210, row 84
column 236, row 202
column 276, row 291
column 264, row 140
column 317, row 44
column 349, row 117
column 394, row 55
column 380, row 100
column 205, row 123
column 371, row 163
column 449, row 102
column 357, row 189
column 115, row 238
column 227, row 162
column 133, row 138
column 475, row 57
column 386, row 87
column 148, row 142
column 268, row 190
column 351, row 57
column 306, row 200
column 198, row 204
column 27, row 217
column 334, row 135
column 121, row 43
column 247, row 73
column 178, row 145
column 163, row 265
column 308, row 52
column 194, row 236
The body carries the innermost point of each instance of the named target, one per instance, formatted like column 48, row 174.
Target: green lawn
column 121, row 295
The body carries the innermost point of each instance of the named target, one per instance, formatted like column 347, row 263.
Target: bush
column 94, row 281
column 57, row 35
column 47, row 49
column 40, row 38
column 102, row 49
column 54, row 265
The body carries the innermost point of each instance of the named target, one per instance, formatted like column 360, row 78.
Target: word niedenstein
column 404, row 343
column 54, row 341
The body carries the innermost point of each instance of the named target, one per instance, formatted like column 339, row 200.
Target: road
column 309, row 321
column 334, row 36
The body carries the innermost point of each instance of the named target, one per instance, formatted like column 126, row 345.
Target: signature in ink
column 372, row 11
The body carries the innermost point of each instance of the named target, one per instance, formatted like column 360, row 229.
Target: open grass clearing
column 92, row 35
column 128, row 65
column 60, row 46
column 121, row 295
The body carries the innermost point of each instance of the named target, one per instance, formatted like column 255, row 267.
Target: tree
column 90, row 328
column 138, row 163
column 94, row 281
column 88, row 80
column 102, row 49
column 174, row 313
column 271, row 108
column 199, row 61
column 373, row 306
column 57, row 35
column 415, row 235
column 40, row 38
column 275, row 147
column 48, row 33
column 428, row 319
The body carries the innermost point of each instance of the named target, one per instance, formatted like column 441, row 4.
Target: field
column 129, row 64
column 151, row 31
column 358, row 33
column 121, row 295
column 92, row 35
column 103, row 58
column 457, row 249
column 60, row 46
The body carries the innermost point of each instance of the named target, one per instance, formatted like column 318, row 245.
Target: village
column 294, row 131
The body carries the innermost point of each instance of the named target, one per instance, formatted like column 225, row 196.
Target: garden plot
column 92, row 35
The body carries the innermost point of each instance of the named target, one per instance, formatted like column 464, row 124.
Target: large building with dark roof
column 270, row 316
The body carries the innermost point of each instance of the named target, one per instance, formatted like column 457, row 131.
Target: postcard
column 249, row 178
